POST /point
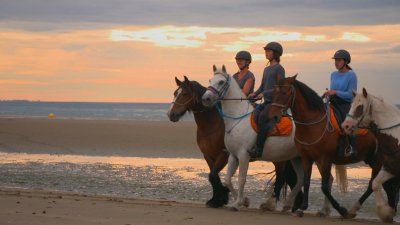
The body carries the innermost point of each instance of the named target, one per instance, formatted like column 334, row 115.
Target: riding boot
column 261, row 138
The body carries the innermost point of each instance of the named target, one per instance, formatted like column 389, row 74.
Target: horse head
column 283, row 96
column 184, row 99
column 219, row 85
column 360, row 112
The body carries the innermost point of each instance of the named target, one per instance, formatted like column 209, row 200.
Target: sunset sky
column 131, row 50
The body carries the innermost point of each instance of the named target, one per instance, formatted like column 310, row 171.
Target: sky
column 131, row 50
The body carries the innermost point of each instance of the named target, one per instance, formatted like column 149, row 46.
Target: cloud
column 352, row 36
column 66, row 14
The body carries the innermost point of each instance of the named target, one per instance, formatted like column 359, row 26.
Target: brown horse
column 317, row 141
column 210, row 139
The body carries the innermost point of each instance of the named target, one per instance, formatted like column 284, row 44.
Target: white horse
column 240, row 137
column 384, row 119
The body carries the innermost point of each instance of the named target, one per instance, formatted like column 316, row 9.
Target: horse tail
column 341, row 177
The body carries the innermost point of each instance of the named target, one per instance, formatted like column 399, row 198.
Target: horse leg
column 244, row 160
column 383, row 210
column 325, row 170
column 391, row 189
column 307, row 168
column 296, row 165
column 221, row 193
column 270, row 203
column 357, row 206
column 233, row 164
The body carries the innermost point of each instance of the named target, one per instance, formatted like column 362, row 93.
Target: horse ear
column 214, row 68
column 294, row 77
column 354, row 93
column 178, row 82
column 186, row 79
column 223, row 69
column 365, row 93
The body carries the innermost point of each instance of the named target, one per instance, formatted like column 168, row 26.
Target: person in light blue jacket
column 343, row 83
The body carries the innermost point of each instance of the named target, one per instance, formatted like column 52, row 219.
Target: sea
column 175, row 179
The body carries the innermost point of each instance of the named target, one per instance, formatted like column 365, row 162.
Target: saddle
column 336, row 116
column 283, row 128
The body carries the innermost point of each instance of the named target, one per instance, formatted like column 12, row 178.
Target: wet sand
column 21, row 207
column 99, row 137
column 115, row 138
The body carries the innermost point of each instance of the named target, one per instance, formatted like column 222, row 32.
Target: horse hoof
column 299, row 213
column 355, row 208
column 385, row 213
column 351, row 215
column 267, row 207
column 286, row 208
column 211, row 203
column 246, row 202
column 233, row 209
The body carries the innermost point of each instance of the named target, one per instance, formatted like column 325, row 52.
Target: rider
column 273, row 72
column 343, row 83
column 244, row 77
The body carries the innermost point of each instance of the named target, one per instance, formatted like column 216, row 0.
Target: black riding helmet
column 342, row 54
column 243, row 55
column 275, row 46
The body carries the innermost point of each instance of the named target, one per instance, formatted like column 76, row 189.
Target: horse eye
column 359, row 111
column 221, row 82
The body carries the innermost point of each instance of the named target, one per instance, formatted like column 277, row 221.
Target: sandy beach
column 108, row 138
column 21, row 207
column 99, row 137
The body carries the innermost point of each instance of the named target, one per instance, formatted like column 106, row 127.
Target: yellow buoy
column 51, row 116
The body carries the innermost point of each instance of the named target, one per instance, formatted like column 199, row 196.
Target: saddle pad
column 337, row 127
column 283, row 128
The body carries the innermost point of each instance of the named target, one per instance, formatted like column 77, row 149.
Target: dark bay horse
column 210, row 139
column 317, row 141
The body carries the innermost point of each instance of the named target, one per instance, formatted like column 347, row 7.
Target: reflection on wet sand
column 156, row 178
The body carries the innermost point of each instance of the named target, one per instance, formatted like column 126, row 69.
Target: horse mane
column 313, row 100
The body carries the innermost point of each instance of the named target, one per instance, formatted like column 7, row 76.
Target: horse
column 210, row 139
column 240, row 137
column 384, row 120
column 317, row 140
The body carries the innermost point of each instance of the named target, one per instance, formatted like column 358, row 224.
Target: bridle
column 361, row 118
column 290, row 101
column 290, row 104
column 372, row 126
column 221, row 93
column 192, row 99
